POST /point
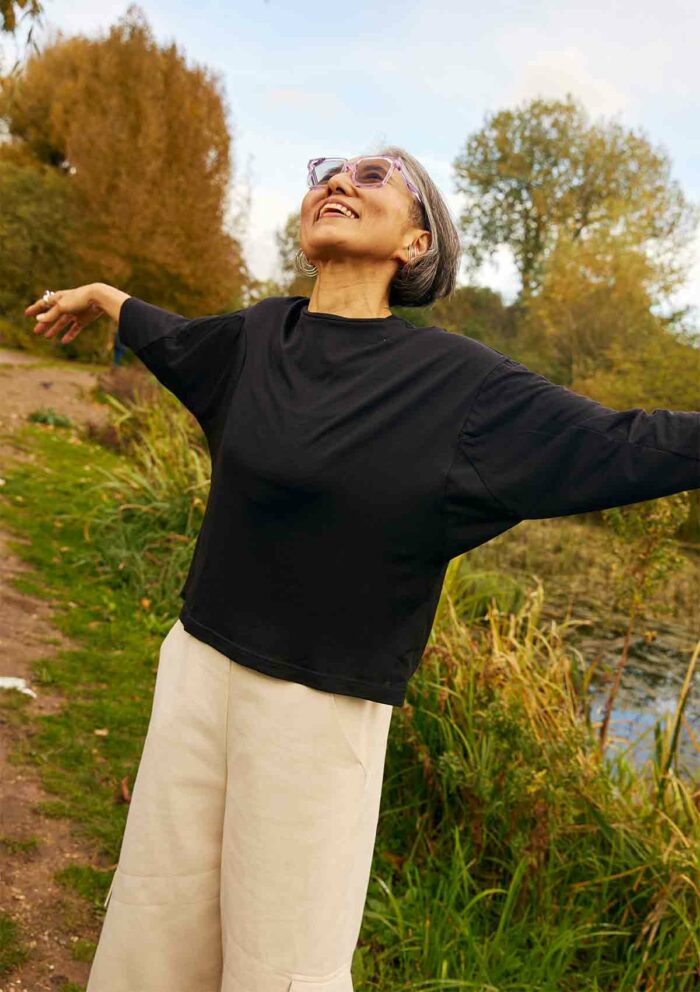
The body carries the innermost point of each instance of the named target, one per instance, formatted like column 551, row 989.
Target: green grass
column 509, row 857
column 83, row 950
column 47, row 415
column 12, row 950
column 108, row 677
column 19, row 845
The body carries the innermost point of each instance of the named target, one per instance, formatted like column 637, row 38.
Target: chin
column 326, row 250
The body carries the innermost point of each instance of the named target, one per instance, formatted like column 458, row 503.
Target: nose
column 341, row 183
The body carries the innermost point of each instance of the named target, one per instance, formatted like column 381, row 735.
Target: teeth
column 337, row 206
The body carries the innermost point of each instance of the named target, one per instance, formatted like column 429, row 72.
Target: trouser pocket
column 339, row 983
column 109, row 890
column 363, row 725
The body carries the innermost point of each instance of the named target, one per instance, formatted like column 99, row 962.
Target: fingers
column 34, row 308
column 59, row 313
column 52, row 313
column 58, row 325
column 73, row 332
column 39, row 306
column 52, row 329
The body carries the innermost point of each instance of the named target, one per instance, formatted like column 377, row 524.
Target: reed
column 511, row 852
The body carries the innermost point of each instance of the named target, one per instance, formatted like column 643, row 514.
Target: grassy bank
column 510, row 855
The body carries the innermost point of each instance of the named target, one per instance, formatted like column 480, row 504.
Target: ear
column 422, row 241
column 418, row 237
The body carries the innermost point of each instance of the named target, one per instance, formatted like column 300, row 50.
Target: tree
column 543, row 174
column 141, row 140
column 477, row 312
column 594, row 293
column 287, row 240
column 659, row 371
column 33, row 233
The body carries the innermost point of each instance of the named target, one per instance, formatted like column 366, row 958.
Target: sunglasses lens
column 372, row 171
column 324, row 170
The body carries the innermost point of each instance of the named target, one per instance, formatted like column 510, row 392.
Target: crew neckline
column 322, row 315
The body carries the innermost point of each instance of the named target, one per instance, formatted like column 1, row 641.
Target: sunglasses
column 370, row 172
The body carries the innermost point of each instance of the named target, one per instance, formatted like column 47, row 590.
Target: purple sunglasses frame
column 351, row 167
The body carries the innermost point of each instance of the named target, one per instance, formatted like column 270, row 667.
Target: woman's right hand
column 72, row 308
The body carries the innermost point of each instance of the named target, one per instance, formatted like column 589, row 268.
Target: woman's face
column 380, row 231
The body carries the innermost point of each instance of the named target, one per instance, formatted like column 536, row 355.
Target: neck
column 347, row 293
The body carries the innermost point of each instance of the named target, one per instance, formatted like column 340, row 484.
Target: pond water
column 654, row 673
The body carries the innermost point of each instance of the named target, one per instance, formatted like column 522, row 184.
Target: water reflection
column 657, row 663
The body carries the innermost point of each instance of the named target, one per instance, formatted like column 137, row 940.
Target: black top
column 353, row 457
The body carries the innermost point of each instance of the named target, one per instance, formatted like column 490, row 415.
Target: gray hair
column 432, row 275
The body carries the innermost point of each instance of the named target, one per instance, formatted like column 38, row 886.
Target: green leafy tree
column 477, row 312
column 287, row 241
column 543, row 173
column 34, row 235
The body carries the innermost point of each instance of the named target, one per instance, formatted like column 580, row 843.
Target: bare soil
column 51, row 919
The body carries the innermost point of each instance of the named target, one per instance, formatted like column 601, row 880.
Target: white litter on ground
column 14, row 682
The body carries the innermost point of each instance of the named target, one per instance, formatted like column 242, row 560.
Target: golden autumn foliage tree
column 595, row 292
column 663, row 368
column 141, row 141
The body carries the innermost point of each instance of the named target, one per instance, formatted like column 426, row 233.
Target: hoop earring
column 303, row 265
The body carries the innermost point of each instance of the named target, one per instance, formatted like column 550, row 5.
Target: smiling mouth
column 335, row 210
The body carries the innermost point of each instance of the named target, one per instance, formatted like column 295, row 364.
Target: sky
column 305, row 79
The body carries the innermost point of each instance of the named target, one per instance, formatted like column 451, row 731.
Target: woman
column 353, row 454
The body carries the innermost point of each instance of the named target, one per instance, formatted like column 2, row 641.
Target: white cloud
column 288, row 98
column 553, row 74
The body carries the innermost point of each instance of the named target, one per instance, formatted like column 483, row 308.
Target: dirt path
column 51, row 919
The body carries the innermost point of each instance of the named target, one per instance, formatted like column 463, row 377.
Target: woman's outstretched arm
column 544, row 450
column 195, row 358
column 530, row 449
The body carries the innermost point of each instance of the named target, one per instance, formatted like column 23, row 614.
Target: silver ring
column 47, row 294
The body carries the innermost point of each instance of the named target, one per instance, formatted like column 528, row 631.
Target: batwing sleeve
column 530, row 449
column 195, row 358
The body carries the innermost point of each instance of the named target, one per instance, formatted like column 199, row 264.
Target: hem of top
column 277, row 668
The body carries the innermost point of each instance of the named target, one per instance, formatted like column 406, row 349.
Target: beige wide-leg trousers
column 246, row 855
